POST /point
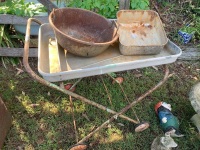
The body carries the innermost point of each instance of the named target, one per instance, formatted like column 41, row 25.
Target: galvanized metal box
column 140, row 32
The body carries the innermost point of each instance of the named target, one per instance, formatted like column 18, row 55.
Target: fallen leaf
column 19, row 147
column 23, row 93
column 34, row 105
column 86, row 117
column 118, row 80
column 154, row 67
column 19, row 71
column 68, row 87
column 120, row 124
column 40, row 140
column 195, row 78
column 109, row 126
column 138, row 75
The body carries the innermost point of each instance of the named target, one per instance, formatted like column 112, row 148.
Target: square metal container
column 140, row 32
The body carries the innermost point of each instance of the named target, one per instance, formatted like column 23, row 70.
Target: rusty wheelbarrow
column 84, row 33
column 58, row 88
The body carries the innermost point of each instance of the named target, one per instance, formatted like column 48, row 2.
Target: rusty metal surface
column 140, row 32
column 5, row 122
column 82, row 32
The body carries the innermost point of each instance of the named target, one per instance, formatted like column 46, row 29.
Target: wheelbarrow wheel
column 78, row 147
column 141, row 126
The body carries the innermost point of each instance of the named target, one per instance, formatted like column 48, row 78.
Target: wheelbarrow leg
column 72, row 111
column 129, row 106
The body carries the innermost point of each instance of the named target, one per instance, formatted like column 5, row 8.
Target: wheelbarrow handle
column 26, row 64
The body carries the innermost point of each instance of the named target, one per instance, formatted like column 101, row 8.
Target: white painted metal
column 55, row 64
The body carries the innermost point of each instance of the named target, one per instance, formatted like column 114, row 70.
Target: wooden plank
column 190, row 54
column 5, row 122
column 13, row 19
column 50, row 6
column 17, row 52
column 124, row 4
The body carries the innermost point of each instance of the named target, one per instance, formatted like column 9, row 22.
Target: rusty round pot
column 82, row 32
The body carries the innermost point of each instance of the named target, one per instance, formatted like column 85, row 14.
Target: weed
column 20, row 8
column 107, row 8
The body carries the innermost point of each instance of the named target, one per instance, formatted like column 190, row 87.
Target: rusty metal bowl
column 82, row 32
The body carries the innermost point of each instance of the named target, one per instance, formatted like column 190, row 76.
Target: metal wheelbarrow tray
column 55, row 64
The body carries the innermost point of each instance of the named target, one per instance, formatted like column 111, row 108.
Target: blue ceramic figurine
column 168, row 122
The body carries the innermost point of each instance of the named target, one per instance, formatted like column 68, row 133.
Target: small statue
column 163, row 143
column 194, row 97
column 168, row 122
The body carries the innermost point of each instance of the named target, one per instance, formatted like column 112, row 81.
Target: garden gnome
column 168, row 122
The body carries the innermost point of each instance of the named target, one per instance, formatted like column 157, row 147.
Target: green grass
column 42, row 117
column 49, row 124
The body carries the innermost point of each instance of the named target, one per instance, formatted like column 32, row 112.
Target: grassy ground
column 42, row 117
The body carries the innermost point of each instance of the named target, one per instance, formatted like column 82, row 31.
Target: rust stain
column 142, row 12
column 132, row 12
column 152, row 16
column 150, row 26
column 141, row 28
column 119, row 14
column 143, row 33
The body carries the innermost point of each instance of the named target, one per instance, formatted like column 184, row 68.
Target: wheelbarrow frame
column 67, row 92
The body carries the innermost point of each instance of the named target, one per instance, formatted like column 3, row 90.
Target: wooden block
column 124, row 4
column 190, row 54
column 13, row 19
column 5, row 122
column 17, row 52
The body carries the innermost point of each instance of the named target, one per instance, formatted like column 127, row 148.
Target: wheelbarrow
column 100, row 67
